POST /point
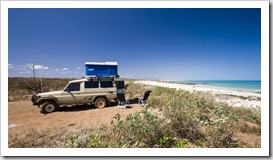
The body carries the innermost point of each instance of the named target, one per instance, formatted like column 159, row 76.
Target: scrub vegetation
column 173, row 119
column 22, row 88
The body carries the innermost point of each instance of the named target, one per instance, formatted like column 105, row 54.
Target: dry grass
column 34, row 138
column 22, row 88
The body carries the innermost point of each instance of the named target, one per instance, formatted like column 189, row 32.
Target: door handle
column 111, row 92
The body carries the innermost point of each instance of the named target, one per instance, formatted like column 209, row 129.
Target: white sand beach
column 232, row 97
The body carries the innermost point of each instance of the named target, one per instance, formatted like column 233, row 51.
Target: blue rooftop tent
column 101, row 69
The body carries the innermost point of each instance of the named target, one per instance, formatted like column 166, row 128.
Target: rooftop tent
column 101, row 69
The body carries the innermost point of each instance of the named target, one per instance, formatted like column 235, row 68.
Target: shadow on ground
column 133, row 101
column 77, row 108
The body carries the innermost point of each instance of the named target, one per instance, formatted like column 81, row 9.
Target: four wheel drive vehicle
column 82, row 91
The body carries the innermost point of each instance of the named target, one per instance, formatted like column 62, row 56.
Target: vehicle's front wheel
column 100, row 103
column 49, row 107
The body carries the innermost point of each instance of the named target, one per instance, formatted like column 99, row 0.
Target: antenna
column 33, row 68
column 41, row 82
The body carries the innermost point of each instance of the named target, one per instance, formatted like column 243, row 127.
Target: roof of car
column 80, row 80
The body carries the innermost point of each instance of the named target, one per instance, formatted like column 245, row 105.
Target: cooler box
column 101, row 69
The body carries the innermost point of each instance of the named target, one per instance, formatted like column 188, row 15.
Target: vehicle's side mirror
column 67, row 90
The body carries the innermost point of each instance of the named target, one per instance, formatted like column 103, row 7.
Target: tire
column 49, row 107
column 100, row 103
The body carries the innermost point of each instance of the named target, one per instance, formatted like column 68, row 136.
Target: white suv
column 83, row 91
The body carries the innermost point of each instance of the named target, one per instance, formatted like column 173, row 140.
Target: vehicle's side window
column 120, row 84
column 91, row 84
column 106, row 84
column 73, row 87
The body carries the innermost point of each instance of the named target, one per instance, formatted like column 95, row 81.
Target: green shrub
column 182, row 144
column 141, row 129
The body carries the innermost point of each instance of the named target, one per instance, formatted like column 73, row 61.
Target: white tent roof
column 102, row 63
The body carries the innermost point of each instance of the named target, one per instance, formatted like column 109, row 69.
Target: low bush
column 141, row 129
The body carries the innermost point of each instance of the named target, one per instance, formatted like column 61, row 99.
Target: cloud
column 65, row 69
column 24, row 72
column 79, row 68
column 36, row 66
column 22, row 68
column 40, row 67
column 10, row 66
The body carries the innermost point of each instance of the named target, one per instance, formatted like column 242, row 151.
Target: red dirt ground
column 23, row 116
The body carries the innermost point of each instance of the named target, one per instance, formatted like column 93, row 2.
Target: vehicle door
column 90, row 91
column 72, row 93
column 120, row 86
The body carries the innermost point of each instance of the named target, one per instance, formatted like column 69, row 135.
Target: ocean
column 241, row 85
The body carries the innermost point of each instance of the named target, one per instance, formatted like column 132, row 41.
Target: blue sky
column 168, row 44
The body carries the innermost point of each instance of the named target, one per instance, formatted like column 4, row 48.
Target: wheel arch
column 97, row 97
column 51, row 99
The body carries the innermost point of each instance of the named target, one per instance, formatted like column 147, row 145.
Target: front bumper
column 36, row 103
column 34, row 100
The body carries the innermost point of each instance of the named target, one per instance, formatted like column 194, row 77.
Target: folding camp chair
column 122, row 102
column 145, row 97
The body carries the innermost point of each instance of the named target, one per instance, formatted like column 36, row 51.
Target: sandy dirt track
column 23, row 116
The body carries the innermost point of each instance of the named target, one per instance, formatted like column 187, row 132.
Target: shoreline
column 235, row 98
column 207, row 85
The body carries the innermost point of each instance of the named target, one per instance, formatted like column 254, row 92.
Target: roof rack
column 101, row 78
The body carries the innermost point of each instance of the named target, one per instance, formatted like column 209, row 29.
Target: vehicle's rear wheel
column 100, row 103
column 49, row 107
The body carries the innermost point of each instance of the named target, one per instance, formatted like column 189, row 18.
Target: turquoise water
column 243, row 85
